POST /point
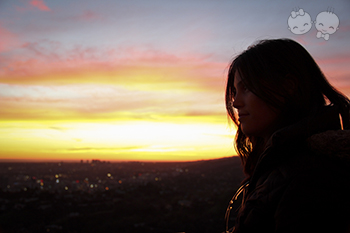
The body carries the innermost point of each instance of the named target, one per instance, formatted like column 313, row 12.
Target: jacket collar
column 331, row 143
column 294, row 137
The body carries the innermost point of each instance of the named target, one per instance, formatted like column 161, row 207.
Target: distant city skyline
column 138, row 80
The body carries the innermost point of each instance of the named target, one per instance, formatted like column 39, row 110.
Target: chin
column 247, row 133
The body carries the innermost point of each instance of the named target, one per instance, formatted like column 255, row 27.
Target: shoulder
column 319, row 184
column 308, row 191
column 325, row 154
column 300, row 191
column 303, row 185
column 309, row 176
column 317, row 197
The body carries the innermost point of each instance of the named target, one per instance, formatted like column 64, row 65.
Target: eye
column 241, row 89
column 306, row 24
column 295, row 27
column 244, row 88
column 331, row 27
column 234, row 91
column 321, row 24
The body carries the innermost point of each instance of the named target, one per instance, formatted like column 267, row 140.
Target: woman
column 293, row 140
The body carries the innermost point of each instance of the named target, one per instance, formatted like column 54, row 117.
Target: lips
column 242, row 115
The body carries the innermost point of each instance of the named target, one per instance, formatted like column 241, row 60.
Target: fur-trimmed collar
column 333, row 143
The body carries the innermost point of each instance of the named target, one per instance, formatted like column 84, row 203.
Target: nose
column 237, row 102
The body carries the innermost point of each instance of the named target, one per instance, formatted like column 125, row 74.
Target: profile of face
column 327, row 22
column 299, row 22
column 256, row 117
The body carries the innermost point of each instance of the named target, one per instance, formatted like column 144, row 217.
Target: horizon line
column 97, row 161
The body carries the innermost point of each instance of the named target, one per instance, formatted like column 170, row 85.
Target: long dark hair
column 270, row 69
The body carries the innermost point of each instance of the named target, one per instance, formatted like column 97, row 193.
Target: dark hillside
column 125, row 197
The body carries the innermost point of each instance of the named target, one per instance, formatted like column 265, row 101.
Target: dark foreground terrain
column 117, row 197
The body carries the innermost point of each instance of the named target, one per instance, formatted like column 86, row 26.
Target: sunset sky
column 139, row 79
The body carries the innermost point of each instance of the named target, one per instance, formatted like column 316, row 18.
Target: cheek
column 259, row 126
column 263, row 120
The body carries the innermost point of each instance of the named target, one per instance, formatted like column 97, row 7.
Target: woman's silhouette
column 293, row 139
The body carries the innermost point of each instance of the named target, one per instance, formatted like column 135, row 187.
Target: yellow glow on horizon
column 152, row 111
column 125, row 141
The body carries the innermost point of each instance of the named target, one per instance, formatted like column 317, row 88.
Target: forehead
column 237, row 79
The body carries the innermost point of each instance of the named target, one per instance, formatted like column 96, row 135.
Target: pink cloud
column 50, row 62
column 40, row 5
column 88, row 15
column 8, row 39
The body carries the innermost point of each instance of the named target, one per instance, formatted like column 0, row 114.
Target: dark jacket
column 301, row 182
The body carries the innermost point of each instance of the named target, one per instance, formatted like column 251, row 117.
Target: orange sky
column 155, row 107
column 134, row 81
column 153, row 110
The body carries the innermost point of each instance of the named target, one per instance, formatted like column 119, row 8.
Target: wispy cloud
column 104, row 101
column 50, row 62
column 88, row 15
column 39, row 4
column 101, row 149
